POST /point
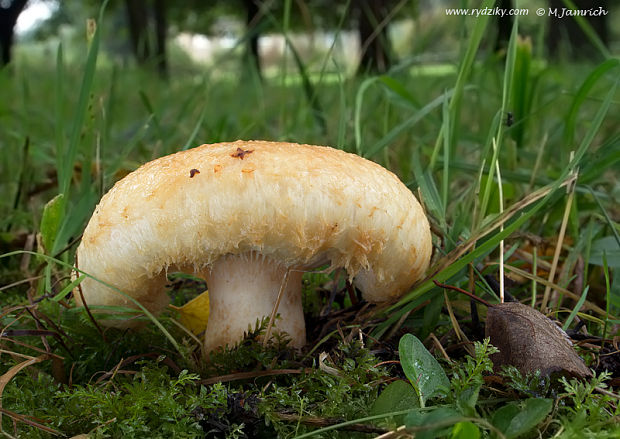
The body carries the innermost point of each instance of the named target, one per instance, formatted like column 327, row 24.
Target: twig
column 460, row 290
column 463, row 248
column 316, row 421
column 501, row 228
column 19, row 282
column 19, row 343
column 558, row 288
column 606, row 392
column 253, row 374
column 351, row 292
column 90, row 316
column 394, row 433
column 272, row 317
column 439, row 346
column 558, row 248
column 27, row 420
column 455, row 324
column 387, row 362
column 68, row 246
column 42, row 328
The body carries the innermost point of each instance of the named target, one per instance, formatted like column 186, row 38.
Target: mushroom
column 250, row 217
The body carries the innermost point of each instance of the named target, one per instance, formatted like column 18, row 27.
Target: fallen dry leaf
column 9, row 374
column 530, row 341
column 194, row 315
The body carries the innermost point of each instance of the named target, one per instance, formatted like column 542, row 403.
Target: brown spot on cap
column 240, row 153
column 193, row 172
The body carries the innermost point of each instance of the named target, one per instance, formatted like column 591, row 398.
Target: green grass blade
column 196, row 130
column 609, row 299
column 309, row 91
column 115, row 164
column 607, row 156
column 445, row 178
column 66, row 290
column 576, row 309
column 465, row 71
column 493, row 241
column 343, row 118
column 359, row 99
column 152, row 114
column 400, row 90
column 68, row 160
column 150, row 315
column 521, row 89
column 337, row 32
column 51, row 220
column 582, row 94
column 507, row 86
column 400, row 128
column 588, row 30
column 311, row 96
column 430, row 194
column 608, row 219
column 60, row 120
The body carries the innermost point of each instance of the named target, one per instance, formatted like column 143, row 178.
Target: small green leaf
column 576, row 308
column 465, row 430
column 421, row 368
column 397, row 396
column 519, row 417
column 467, row 399
column 508, row 193
column 437, row 422
column 399, row 89
column 53, row 214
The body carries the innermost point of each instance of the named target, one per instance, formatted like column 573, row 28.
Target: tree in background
column 504, row 26
column 8, row 18
column 372, row 24
column 567, row 30
column 370, row 18
column 147, row 22
column 253, row 24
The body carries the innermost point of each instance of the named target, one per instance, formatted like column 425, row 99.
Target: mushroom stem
column 243, row 289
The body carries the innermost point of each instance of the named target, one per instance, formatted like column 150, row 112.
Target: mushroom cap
column 302, row 205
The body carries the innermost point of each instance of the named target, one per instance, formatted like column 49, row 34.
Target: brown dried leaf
column 530, row 341
column 9, row 374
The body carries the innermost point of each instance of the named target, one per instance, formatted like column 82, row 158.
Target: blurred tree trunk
column 161, row 35
column 147, row 23
column 253, row 20
column 137, row 15
column 567, row 30
column 8, row 18
column 375, row 44
column 504, row 26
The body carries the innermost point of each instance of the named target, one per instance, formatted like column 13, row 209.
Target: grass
column 71, row 129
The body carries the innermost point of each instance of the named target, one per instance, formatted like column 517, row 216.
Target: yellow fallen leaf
column 195, row 313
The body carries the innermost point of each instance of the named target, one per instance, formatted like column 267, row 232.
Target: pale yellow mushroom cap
column 298, row 206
